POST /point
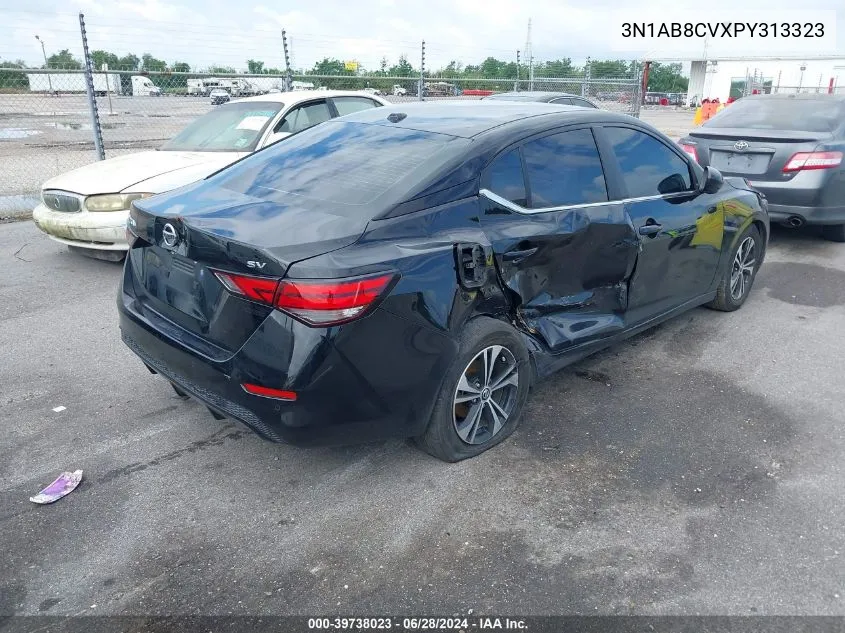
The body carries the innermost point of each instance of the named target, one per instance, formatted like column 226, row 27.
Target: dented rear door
column 561, row 247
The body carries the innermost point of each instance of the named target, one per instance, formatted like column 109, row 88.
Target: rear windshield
column 232, row 127
column 810, row 115
column 345, row 164
column 511, row 97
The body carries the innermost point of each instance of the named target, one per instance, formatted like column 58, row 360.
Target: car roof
column 296, row 96
column 467, row 119
column 536, row 95
column 808, row 96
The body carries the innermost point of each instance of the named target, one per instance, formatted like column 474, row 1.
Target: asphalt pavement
column 697, row 468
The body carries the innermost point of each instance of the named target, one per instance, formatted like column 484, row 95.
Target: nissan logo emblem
column 740, row 146
column 169, row 235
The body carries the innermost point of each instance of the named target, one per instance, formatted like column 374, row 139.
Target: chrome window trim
column 486, row 193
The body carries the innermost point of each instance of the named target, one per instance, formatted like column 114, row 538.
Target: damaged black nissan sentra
column 410, row 271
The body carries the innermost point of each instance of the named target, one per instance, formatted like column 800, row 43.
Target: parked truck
column 74, row 82
column 144, row 87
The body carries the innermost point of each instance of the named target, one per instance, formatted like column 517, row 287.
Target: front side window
column 649, row 167
column 564, row 169
column 303, row 117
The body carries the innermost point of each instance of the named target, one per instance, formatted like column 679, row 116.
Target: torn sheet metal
column 62, row 486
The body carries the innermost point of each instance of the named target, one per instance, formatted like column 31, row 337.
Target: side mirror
column 278, row 136
column 713, row 180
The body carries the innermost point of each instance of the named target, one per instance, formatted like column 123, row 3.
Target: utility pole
column 49, row 80
column 516, row 87
column 801, row 80
column 529, row 52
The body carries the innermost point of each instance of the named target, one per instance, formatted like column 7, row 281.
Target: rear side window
column 348, row 105
column 564, row 169
column 649, row 168
column 506, row 180
column 799, row 115
column 583, row 103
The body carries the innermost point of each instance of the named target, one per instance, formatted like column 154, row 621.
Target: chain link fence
column 49, row 124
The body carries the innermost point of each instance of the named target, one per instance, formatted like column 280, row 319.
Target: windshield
column 232, row 127
column 799, row 115
column 344, row 164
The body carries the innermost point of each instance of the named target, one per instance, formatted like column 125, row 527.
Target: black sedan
column 410, row 271
column 561, row 98
column 790, row 147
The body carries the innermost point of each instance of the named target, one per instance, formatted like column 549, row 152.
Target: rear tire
column 740, row 271
column 834, row 232
column 482, row 395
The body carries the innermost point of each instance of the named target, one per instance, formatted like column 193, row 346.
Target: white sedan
column 87, row 208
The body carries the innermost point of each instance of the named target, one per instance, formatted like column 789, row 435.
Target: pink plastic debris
column 64, row 484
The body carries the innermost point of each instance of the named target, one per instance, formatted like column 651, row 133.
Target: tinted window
column 649, row 168
column 303, row 117
column 811, row 115
column 348, row 105
column 506, row 180
column 583, row 103
column 346, row 164
column 233, row 127
column 562, row 101
column 564, row 169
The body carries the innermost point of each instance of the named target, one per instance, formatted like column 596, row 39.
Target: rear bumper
column 99, row 231
column 347, row 391
column 809, row 215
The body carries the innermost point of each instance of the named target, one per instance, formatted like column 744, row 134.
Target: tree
column 181, row 67
column 128, row 62
column 98, row 58
column 221, row 70
column 13, row 80
column 254, row 66
column 64, row 59
column 148, row 62
column 328, row 66
column 610, row 69
column 402, row 69
column 383, row 66
column 666, row 78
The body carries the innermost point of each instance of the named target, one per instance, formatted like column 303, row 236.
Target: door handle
column 517, row 256
column 650, row 229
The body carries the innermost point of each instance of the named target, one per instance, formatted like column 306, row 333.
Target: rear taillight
column 327, row 302
column 261, row 289
column 269, row 392
column 803, row 161
column 319, row 303
column 690, row 151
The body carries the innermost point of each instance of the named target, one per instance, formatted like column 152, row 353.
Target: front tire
column 739, row 274
column 834, row 232
column 482, row 395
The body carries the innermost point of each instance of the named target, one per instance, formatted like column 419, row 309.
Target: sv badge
column 258, row 265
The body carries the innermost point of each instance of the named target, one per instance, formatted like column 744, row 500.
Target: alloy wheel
column 486, row 395
column 743, row 268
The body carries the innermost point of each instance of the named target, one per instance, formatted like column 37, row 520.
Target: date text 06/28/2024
column 722, row 29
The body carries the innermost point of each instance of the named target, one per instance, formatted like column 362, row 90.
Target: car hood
column 148, row 172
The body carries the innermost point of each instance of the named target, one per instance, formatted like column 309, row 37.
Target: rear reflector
column 320, row 302
column 690, row 151
column 802, row 161
column 268, row 392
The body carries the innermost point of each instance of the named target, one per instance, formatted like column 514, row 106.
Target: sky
column 219, row 32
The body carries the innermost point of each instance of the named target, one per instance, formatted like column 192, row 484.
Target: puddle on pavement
column 13, row 133
column 60, row 125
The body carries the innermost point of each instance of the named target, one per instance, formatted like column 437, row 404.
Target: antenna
column 529, row 55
